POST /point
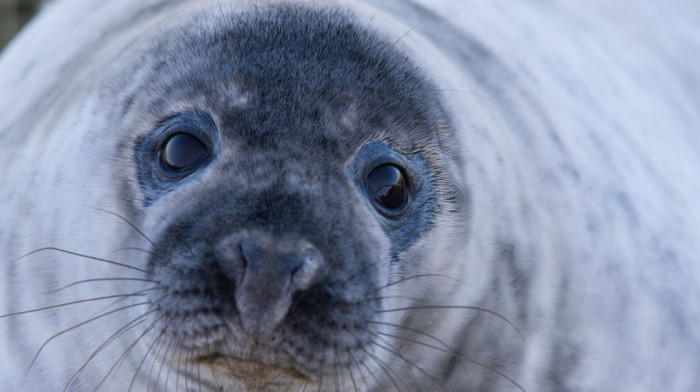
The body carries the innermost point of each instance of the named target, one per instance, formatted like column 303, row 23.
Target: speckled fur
column 551, row 240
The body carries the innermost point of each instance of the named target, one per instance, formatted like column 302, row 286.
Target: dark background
column 13, row 15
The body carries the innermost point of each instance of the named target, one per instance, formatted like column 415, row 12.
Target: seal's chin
column 248, row 369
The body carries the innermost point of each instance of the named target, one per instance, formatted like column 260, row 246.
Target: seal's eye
column 386, row 184
column 182, row 151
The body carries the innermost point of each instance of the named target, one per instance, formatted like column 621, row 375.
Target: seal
column 347, row 196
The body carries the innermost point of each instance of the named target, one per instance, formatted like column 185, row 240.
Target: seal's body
column 296, row 196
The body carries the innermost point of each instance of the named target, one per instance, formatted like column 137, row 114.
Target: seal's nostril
column 244, row 261
column 295, row 270
column 250, row 250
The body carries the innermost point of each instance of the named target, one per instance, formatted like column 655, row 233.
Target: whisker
column 172, row 53
column 153, row 365
column 143, row 291
column 263, row 385
column 419, row 307
column 414, row 330
column 289, row 386
column 133, row 226
column 101, row 280
column 68, row 304
column 102, row 346
column 383, row 366
column 179, row 364
column 383, row 297
column 320, row 374
column 337, row 371
column 391, row 47
column 409, row 362
column 376, row 379
column 126, row 352
column 138, row 368
column 160, row 370
column 379, row 362
column 411, row 278
column 135, row 248
column 167, row 375
column 51, row 248
column 352, row 379
column 187, row 372
column 216, row 378
column 199, row 377
column 47, row 341
column 450, row 90
column 230, row 43
column 365, row 366
column 447, row 351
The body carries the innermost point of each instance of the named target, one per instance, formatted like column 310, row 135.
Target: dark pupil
column 388, row 187
column 182, row 151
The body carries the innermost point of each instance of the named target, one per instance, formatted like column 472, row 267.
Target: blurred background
column 13, row 15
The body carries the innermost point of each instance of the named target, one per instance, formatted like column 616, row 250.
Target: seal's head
column 287, row 166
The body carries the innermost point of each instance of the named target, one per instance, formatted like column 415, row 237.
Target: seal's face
column 284, row 177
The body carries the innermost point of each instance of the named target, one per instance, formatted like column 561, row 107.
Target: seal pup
column 390, row 196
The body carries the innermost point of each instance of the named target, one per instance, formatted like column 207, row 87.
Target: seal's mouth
column 249, row 369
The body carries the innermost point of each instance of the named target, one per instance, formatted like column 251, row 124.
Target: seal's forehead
column 288, row 73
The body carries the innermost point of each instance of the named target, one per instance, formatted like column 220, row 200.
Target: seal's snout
column 267, row 272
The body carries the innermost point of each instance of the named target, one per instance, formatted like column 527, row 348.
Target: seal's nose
column 267, row 272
